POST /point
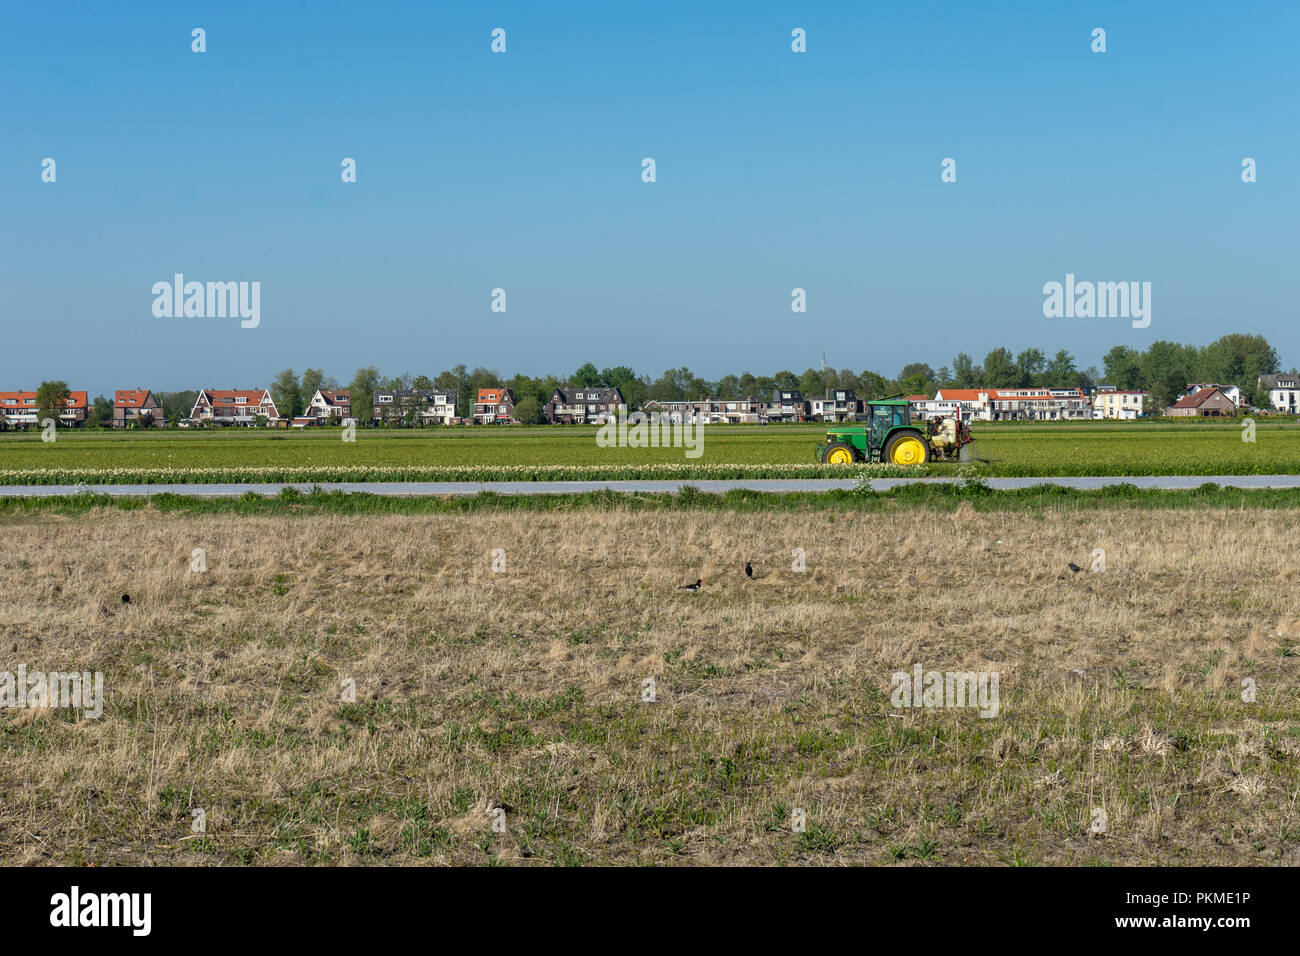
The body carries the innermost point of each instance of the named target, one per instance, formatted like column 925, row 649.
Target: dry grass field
column 521, row 690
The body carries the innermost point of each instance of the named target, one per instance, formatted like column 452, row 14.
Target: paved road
column 417, row 488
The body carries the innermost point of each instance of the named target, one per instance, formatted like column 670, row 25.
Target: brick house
column 137, row 407
column 839, row 405
column 728, row 411
column 675, row 411
column 787, row 405
column 1206, row 403
column 494, row 406
column 234, row 406
column 18, row 409
column 1232, row 392
column 582, row 404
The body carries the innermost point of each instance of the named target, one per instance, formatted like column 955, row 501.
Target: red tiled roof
column 489, row 396
column 1197, row 399
column 130, row 397
column 76, row 399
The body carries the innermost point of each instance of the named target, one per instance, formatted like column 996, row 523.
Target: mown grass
column 522, row 691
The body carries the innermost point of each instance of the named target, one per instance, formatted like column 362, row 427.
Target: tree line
column 1163, row 369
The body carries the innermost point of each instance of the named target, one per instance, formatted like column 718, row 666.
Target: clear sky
column 522, row 170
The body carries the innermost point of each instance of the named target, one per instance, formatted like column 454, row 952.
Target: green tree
column 100, row 412
column 916, row 378
column 51, row 401
column 286, row 394
column 1166, row 369
column 811, row 383
column 1123, row 367
column 873, row 385
column 528, row 410
column 176, row 405
column 965, row 373
column 313, row 379
column 1000, row 371
column 587, row 374
column 1238, row 359
column 1061, row 372
column 1030, row 366
column 785, row 380
column 363, row 387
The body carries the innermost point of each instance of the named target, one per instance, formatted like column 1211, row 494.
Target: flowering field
column 560, row 453
column 355, row 473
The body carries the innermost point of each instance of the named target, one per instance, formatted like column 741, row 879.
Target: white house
column 1118, row 404
column 972, row 403
column 1283, row 391
column 329, row 405
column 234, row 406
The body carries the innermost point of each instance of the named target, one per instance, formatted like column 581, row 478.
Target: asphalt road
column 417, row 488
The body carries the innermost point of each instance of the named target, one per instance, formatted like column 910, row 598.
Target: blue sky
column 522, row 170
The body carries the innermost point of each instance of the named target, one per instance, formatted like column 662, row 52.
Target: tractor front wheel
column 838, row 453
column 908, row 448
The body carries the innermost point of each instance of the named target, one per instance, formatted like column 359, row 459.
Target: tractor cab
column 890, row 435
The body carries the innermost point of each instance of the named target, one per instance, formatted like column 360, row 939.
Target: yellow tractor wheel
column 838, row 454
column 908, row 448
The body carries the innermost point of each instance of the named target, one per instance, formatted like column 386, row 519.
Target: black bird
column 126, row 599
column 1074, row 567
column 692, row 587
column 749, row 570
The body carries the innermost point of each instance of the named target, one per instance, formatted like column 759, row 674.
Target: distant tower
column 823, row 361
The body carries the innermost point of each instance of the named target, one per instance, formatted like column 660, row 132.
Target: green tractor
column 890, row 435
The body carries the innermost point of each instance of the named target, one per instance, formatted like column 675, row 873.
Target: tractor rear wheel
column 907, row 448
column 839, row 453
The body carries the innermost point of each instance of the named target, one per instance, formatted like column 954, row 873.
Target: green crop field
column 523, row 453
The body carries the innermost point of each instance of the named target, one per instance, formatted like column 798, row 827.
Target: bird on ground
column 692, row 587
column 1074, row 567
column 749, row 570
column 126, row 599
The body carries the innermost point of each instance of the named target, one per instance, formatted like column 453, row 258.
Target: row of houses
column 785, row 405
column 131, row 406
column 1035, row 404
column 575, row 404
column 972, row 404
column 1200, row 399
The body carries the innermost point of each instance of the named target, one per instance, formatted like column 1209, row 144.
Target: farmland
column 524, row 691
column 1022, row 449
